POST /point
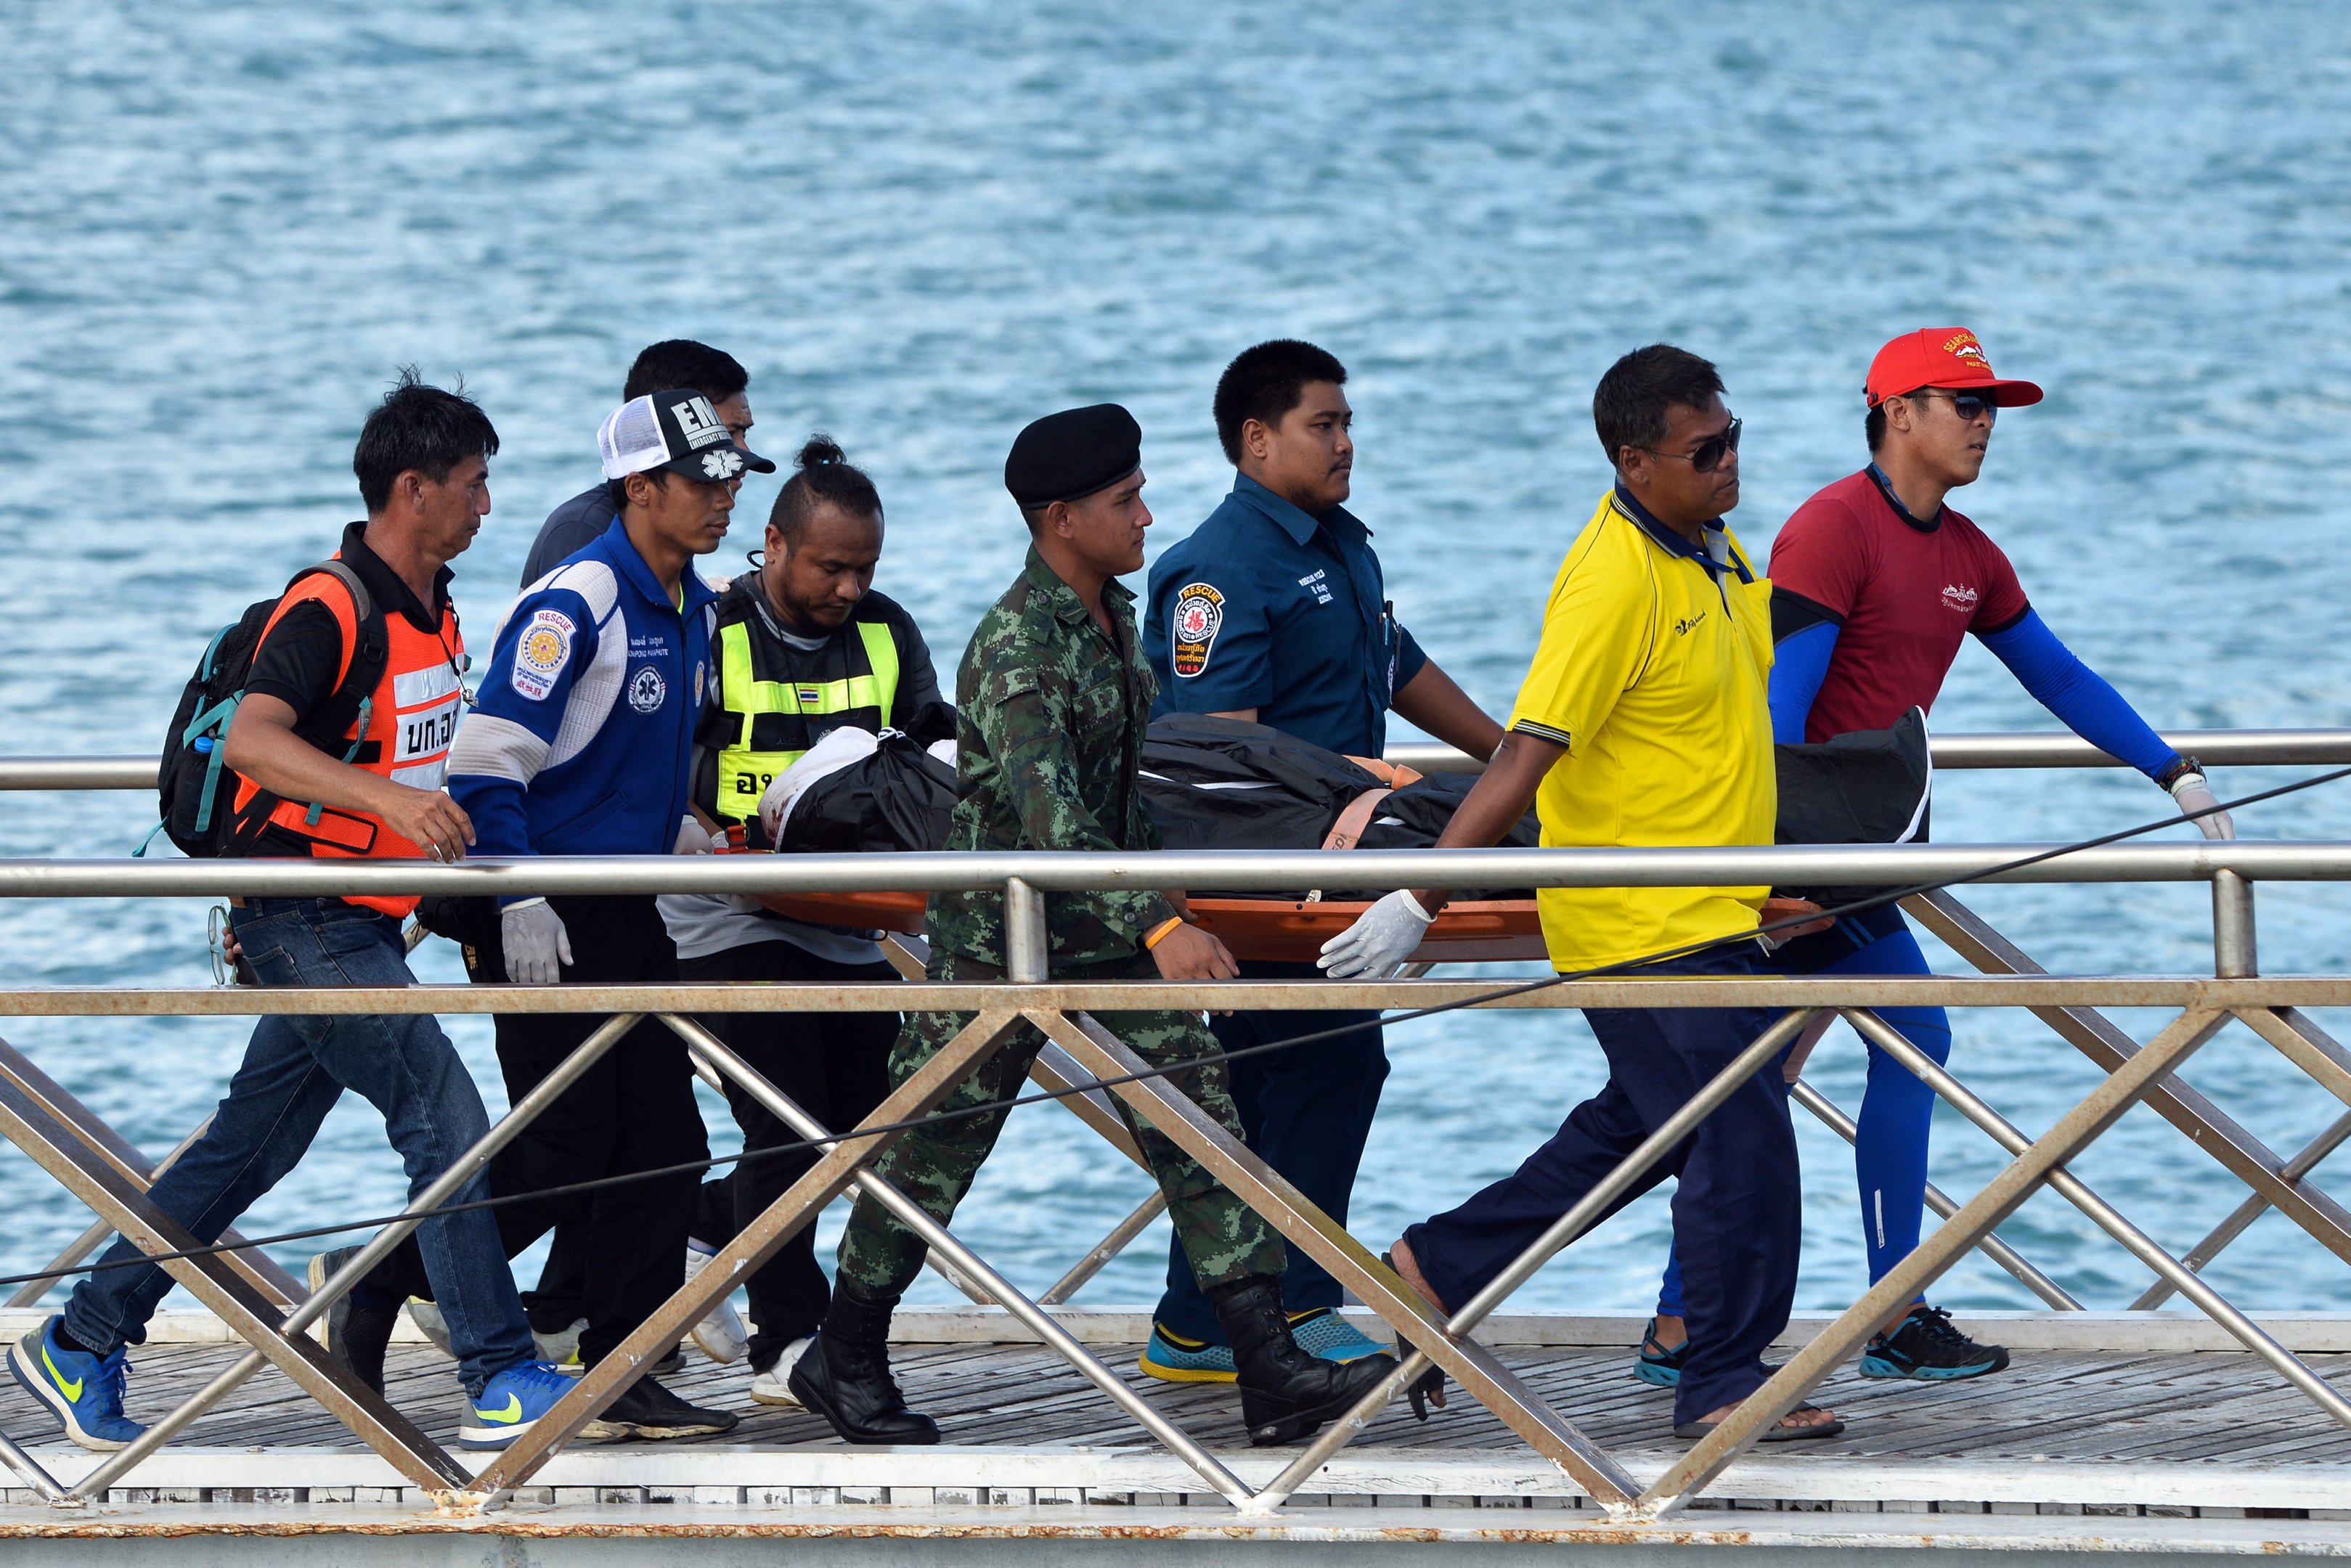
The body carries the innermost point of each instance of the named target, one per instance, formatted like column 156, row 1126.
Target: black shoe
column 845, row 1377
column 1286, row 1393
column 650, row 1411
column 356, row 1336
column 1926, row 1346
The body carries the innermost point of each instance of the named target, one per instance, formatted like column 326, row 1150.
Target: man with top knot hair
column 1052, row 700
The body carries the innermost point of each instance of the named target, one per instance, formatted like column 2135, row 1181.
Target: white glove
column 692, row 838
column 2196, row 799
column 1380, row 942
column 536, row 942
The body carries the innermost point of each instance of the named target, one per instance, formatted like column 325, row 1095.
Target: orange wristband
column 1153, row 938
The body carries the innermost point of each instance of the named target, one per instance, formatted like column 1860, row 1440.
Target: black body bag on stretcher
column 1223, row 784
column 1868, row 787
column 897, row 800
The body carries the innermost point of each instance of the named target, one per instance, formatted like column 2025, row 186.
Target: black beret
column 1069, row 456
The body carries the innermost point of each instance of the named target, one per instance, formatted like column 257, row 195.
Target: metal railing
column 1114, row 1085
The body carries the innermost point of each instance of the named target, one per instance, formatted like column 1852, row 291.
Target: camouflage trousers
column 934, row 1166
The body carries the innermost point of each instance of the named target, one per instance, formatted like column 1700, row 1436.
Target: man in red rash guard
column 1874, row 584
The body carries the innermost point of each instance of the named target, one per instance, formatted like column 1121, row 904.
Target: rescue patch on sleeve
column 1199, row 614
column 541, row 652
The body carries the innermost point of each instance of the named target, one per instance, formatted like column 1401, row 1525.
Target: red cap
column 1941, row 357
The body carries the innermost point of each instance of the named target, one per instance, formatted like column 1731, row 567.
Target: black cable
column 1043, row 1096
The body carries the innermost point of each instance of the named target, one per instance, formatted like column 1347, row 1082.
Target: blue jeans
column 1737, row 1206
column 1306, row 1111
column 295, row 1069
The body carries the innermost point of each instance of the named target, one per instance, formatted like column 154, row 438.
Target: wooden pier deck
column 2126, row 1430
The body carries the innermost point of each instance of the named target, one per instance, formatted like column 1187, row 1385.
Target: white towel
column 826, row 757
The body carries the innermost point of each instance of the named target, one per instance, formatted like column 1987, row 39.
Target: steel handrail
column 1268, row 871
column 1987, row 749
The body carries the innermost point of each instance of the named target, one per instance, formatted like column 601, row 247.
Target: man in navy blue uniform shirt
column 1274, row 611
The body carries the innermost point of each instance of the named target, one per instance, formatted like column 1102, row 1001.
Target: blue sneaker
column 1325, row 1335
column 510, row 1402
column 84, row 1391
column 1656, row 1366
column 1172, row 1358
column 1926, row 1347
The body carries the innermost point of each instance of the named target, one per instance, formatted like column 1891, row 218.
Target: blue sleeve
column 2077, row 693
column 1209, row 639
column 541, row 650
column 1800, row 661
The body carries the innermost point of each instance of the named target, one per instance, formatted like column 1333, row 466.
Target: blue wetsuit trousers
column 1889, row 1156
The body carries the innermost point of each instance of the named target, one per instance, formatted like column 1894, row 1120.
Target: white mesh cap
column 631, row 439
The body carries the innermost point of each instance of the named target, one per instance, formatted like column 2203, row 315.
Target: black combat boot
column 1285, row 1393
column 846, row 1376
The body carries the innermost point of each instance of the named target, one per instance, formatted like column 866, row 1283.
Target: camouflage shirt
column 1050, row 715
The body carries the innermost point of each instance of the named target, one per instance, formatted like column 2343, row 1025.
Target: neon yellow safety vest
column 772, row 711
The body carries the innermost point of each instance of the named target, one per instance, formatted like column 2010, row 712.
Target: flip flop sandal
column 1775, row 1433
column 1429, row 1388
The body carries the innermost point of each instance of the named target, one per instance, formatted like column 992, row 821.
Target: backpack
column 195, row 791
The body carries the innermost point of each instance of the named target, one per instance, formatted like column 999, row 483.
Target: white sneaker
column 426, row 1316
column 561, row 1349
column 720, row 1333
column 773, row 1386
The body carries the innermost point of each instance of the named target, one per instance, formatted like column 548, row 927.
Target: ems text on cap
column 678, row 431
column 1941, row 357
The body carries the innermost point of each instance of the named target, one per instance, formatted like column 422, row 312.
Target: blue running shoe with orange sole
column 83, row 1391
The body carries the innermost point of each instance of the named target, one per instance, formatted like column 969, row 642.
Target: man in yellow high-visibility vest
column 802, row 647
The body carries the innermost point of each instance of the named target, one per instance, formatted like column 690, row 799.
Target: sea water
column 921, row 225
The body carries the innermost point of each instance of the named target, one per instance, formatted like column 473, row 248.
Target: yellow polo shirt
column 1653, row 672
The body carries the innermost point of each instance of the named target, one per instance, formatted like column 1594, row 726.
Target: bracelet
column 1152, row 938
column 2177, row 771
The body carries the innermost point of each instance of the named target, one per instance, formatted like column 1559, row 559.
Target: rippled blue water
column 921, row 225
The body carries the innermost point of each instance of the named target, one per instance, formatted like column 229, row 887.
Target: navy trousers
column 1738, row 1208
column 1305, row 1111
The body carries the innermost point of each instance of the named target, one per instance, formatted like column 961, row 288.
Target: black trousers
column 633, row 1110
column 834, row 1066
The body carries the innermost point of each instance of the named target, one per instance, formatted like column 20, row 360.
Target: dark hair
column 1264, row 382
column 682, row 362
column 1628, row 408
column 821, row 472
column 422, row 427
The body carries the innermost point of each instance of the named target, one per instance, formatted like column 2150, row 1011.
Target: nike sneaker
column 509, row 1402
column 83, row 1391
column 1926, row 1347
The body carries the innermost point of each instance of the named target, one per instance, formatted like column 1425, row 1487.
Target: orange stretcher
column 1277, row 930
column 1289, row 930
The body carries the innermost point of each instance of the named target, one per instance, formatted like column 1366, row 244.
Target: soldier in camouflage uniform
column 1052, row 700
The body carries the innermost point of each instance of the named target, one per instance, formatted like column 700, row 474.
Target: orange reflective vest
column 402, row 730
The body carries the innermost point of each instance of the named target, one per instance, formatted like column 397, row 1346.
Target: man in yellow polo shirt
column 1643, row 721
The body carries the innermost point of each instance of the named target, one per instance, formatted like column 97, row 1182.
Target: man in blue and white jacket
column 582, row 744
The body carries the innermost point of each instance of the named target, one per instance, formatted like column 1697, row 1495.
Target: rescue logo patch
column 1962, row 600
column 1199, row 614
column 541, row 652
column 722, row 465
column 646, row 689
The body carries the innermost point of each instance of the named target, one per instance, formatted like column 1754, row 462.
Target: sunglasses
column 1969, row 406
column 1707, row 455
